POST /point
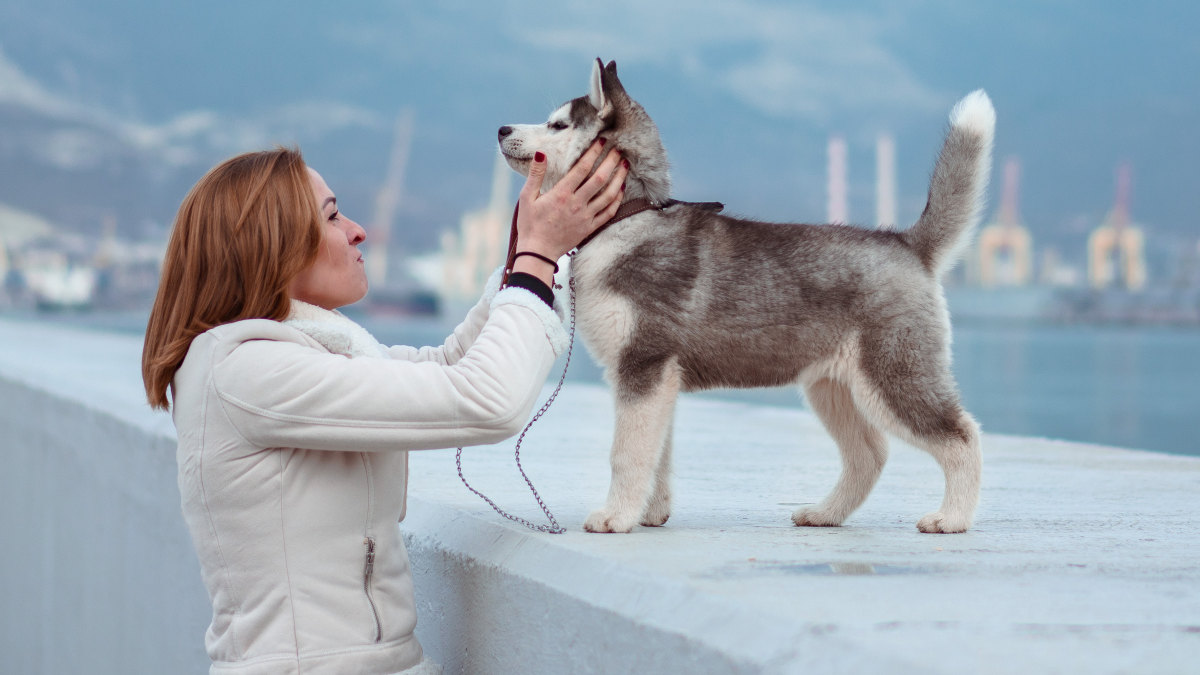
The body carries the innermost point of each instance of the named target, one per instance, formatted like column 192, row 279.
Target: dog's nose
column 505, row 131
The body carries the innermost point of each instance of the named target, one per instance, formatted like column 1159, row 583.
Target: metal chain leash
column 553, row 527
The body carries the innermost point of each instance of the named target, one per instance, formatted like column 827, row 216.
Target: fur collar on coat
column 334, row 331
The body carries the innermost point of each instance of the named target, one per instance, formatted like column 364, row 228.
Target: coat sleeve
column 286, row 394
column 462, row 338
column 456, row 345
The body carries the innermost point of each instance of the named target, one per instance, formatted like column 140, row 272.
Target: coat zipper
column 367, row 572
column 369, row 568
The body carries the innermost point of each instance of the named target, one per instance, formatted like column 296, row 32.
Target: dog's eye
column 558, row 126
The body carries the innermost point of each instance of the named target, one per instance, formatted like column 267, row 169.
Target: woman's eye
column 335, row 215
column 558, row 126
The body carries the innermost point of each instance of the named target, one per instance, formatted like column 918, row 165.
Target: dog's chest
column 606, row 319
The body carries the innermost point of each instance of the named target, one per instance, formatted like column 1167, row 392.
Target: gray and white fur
column 685, row 299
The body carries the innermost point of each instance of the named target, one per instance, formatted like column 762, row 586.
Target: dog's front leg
column 658, row 510
column 644, row 412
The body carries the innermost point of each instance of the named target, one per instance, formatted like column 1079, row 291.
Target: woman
column 293, row 422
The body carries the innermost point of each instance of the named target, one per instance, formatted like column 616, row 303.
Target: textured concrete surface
column 1083, row 559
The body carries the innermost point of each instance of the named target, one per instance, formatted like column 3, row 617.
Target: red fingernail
column 603, row 140
column 626, row 163
column 622, row 187
column 539, row 157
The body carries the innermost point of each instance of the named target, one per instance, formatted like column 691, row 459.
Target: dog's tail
column 957, row 190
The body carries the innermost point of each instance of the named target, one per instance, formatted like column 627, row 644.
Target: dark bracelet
column 539, row 256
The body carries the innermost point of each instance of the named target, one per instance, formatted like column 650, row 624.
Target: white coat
column 293, row 470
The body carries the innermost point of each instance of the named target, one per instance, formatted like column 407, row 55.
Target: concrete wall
column 97, row 570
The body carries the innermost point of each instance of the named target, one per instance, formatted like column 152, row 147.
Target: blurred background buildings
column 110, row 110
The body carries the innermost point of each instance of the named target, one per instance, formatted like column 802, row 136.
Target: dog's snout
column 505, row 131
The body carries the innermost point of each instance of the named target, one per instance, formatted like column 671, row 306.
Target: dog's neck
column 635, row 189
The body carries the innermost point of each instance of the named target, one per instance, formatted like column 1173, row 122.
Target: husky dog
column 682, row 298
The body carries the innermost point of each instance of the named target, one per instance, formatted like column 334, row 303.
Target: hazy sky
column 745, row 92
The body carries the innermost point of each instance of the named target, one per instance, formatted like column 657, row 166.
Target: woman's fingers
column 603, row 173
column 575, row 177
column 609, row 211
column 611, row 193
column 537, row 173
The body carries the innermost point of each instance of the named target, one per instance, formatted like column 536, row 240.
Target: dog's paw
column 940, row 523
column 604, row 520
column 814, row 517
column 657, row 512
column 655, row 517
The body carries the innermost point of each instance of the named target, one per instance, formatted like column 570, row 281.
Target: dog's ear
column 596, row 93
column 614, row 91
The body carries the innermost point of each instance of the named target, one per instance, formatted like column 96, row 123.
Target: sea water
column 1133, row 387
column 1126, row 386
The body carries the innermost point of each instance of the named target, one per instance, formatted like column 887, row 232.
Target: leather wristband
column 533, row 285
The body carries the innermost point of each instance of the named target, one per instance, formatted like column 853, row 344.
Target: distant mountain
column 75, row 163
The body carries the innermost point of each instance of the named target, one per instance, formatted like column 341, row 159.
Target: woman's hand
column 552, row 224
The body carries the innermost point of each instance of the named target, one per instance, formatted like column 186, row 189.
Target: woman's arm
column 284, row 394
column 457, row 344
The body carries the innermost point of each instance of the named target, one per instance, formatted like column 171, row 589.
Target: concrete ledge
column 1083, row 559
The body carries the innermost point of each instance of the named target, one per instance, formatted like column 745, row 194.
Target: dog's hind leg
column 644, row 412
column 863, row 450
column 956, row 447
column 659, row 508
column 909, row 391
column 961, row 459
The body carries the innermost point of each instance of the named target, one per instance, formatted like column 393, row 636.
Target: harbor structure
column 836, row 211
column 470, row 255
column 16, row 228
column 387, row 200
column 43, row 266
column 1005, row 249
column 1116, row 249
column 885, row 182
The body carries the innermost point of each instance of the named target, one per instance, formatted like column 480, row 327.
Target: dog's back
column 741, row 303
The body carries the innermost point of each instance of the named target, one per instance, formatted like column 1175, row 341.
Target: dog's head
column 606, row 111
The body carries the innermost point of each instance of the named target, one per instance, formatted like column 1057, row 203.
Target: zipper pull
column 370, row 542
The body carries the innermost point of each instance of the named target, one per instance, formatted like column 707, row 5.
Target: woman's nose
column 505, row 131
column 356, row 234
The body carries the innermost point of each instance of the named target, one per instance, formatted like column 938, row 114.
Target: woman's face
column 337, row 278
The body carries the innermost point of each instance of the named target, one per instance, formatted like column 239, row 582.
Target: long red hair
column 242, row 234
